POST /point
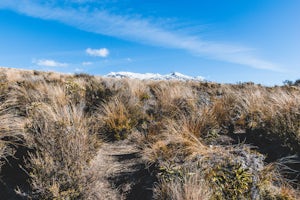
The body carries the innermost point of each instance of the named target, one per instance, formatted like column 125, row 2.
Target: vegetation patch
column 192, row 140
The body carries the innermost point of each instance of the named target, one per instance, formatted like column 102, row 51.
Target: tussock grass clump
column 116, row 119
column 191, row 186
column 62, row 149
column 3, row 86
column 75, row 90
column 96, row 92
column 11, row 134
column 172, row 98
column 11, row 126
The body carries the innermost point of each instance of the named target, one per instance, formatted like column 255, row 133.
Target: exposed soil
column 126, row 177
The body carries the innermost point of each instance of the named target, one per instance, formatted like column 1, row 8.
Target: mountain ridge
column 154, row 76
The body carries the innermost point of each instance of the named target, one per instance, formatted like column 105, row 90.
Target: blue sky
column 224, row 41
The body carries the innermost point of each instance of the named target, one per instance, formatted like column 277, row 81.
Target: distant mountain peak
column 152, row 76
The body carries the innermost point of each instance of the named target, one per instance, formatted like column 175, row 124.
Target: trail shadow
column 126, row 157
column 13, row 176
column 274, row 149
column 137, row 181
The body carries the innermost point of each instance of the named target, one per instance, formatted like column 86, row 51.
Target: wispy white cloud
column 78, row 70
column 139, row 30
column 49, row 63
column 86, row 63
column 103, row 52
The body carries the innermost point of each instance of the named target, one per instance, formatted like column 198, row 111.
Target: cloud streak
column 103, row 52
column 49, row 63
column 86, row 63
column 138, row 30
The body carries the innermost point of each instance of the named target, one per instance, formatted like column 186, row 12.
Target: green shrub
column 230, row 181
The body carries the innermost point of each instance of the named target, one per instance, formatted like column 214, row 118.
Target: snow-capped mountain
column 151, row 76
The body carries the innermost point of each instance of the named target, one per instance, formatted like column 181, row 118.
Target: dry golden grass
column 179, row 128
column 179, row 140
column 172, row 98
column 191, row 187
column 15, row 74
column 116, row 120
column 11, row 133
column 62, row 150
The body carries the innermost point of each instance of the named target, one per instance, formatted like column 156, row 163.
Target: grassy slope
column 191, row 140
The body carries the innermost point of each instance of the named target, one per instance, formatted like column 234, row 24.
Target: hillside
column 87, row 137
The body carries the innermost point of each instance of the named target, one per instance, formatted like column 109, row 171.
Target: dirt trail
column 124, row 174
